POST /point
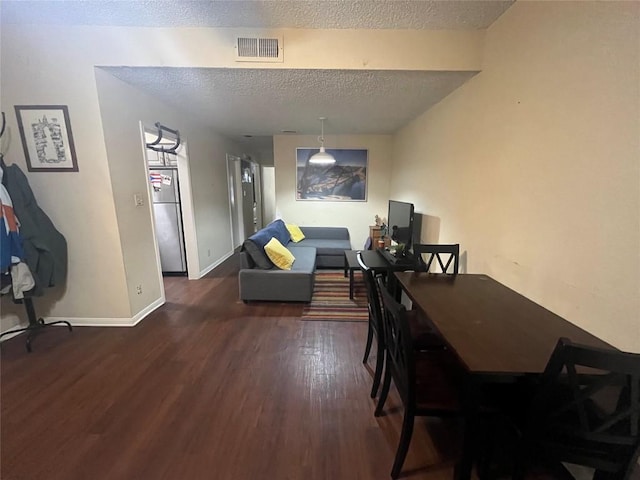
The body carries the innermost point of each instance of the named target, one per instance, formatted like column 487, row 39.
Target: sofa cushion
column 325, row 246
column 326, row 233
column 279, row 230
column 295, row 232
column 305, row 258
column 279, row 255
column 275, row 229
column 254, row 245
column 257, row 254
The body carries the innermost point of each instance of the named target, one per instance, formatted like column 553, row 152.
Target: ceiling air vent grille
column 257, row 49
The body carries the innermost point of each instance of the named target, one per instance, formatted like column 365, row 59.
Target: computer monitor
column 401, row 222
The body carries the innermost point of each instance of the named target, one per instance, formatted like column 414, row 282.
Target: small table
column 374, row 260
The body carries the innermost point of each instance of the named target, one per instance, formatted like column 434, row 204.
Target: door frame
column 234, row 186
column 186, row 205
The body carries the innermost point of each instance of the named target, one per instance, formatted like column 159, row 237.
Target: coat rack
column 35, row 324
column 4, row 124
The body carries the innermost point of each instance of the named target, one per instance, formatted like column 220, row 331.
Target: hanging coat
column 10, row 242
column 45, row 249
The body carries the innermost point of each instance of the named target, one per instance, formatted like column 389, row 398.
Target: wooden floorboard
column 205, row 387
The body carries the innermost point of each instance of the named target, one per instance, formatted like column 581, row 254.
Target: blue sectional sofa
column 259, row 279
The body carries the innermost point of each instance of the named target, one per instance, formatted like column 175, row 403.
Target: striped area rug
column 331, row 301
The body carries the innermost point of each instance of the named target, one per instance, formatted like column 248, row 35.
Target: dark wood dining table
column 497, row 334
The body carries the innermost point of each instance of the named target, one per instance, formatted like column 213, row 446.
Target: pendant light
column 322, row 157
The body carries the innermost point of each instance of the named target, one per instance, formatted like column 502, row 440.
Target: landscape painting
column 345, row 180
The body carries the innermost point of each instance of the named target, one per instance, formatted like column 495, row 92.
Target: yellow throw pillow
column 279, row 254
column 295, row 232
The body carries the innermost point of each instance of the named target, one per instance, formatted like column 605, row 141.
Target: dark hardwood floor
column 205, row 387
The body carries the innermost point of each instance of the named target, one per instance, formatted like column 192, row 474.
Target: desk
column 496, row 333
column 372, row 259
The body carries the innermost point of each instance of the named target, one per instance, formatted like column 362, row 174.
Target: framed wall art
column 345, row 180
column 46, row 136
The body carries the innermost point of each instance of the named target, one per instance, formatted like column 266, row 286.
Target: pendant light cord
column 321, row 137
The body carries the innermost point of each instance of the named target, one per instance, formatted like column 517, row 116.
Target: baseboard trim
column 7, row 337
column 77, row 322
column 93, row 322
column 215, row 264
column 101, row 322
column 148, row 309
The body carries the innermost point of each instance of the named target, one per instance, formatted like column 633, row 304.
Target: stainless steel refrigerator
column 168, row 218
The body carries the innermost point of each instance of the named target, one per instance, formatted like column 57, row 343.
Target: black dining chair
column 447, row 256
column 586, row 411
column 375, row 323
column 424, row 338
column 428, row 382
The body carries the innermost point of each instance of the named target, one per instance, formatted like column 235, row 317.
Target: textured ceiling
column 266, row 102
column 392, row 14
column 261, row 103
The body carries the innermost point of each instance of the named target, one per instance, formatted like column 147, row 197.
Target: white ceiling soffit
column 362, row 14
column 236, row 102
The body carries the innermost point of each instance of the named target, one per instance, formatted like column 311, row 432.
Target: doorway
column 249, row 215
column 245, row 198
column 235, row 202
column 169, row 186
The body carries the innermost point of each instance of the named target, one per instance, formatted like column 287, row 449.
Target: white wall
column 356, row 216
column 533, row 164
column 268, row 194
column 95, row 211
column 96, row 218
column 122, row 107
column 81, row 204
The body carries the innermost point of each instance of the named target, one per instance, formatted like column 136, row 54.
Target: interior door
column 248, row 200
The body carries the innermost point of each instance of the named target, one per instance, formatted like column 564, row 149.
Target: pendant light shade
column 322, row 157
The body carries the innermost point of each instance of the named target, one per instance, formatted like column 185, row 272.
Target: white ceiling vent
column 259, row 49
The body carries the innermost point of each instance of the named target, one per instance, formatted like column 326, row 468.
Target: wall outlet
column 139, row 289
column 208, row 252
column 137, row 198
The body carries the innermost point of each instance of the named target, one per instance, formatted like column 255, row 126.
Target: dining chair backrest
column 399, row 344
column 373, row 299
column 447, row 255
column 587, row 408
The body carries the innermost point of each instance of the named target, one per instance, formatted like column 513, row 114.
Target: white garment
column 21, row 279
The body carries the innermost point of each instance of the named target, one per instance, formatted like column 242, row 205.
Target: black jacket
column 45, row 248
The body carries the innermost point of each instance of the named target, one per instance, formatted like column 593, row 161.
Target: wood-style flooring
column 205, row 387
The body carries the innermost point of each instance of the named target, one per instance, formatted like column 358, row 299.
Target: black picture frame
column 47, row 139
